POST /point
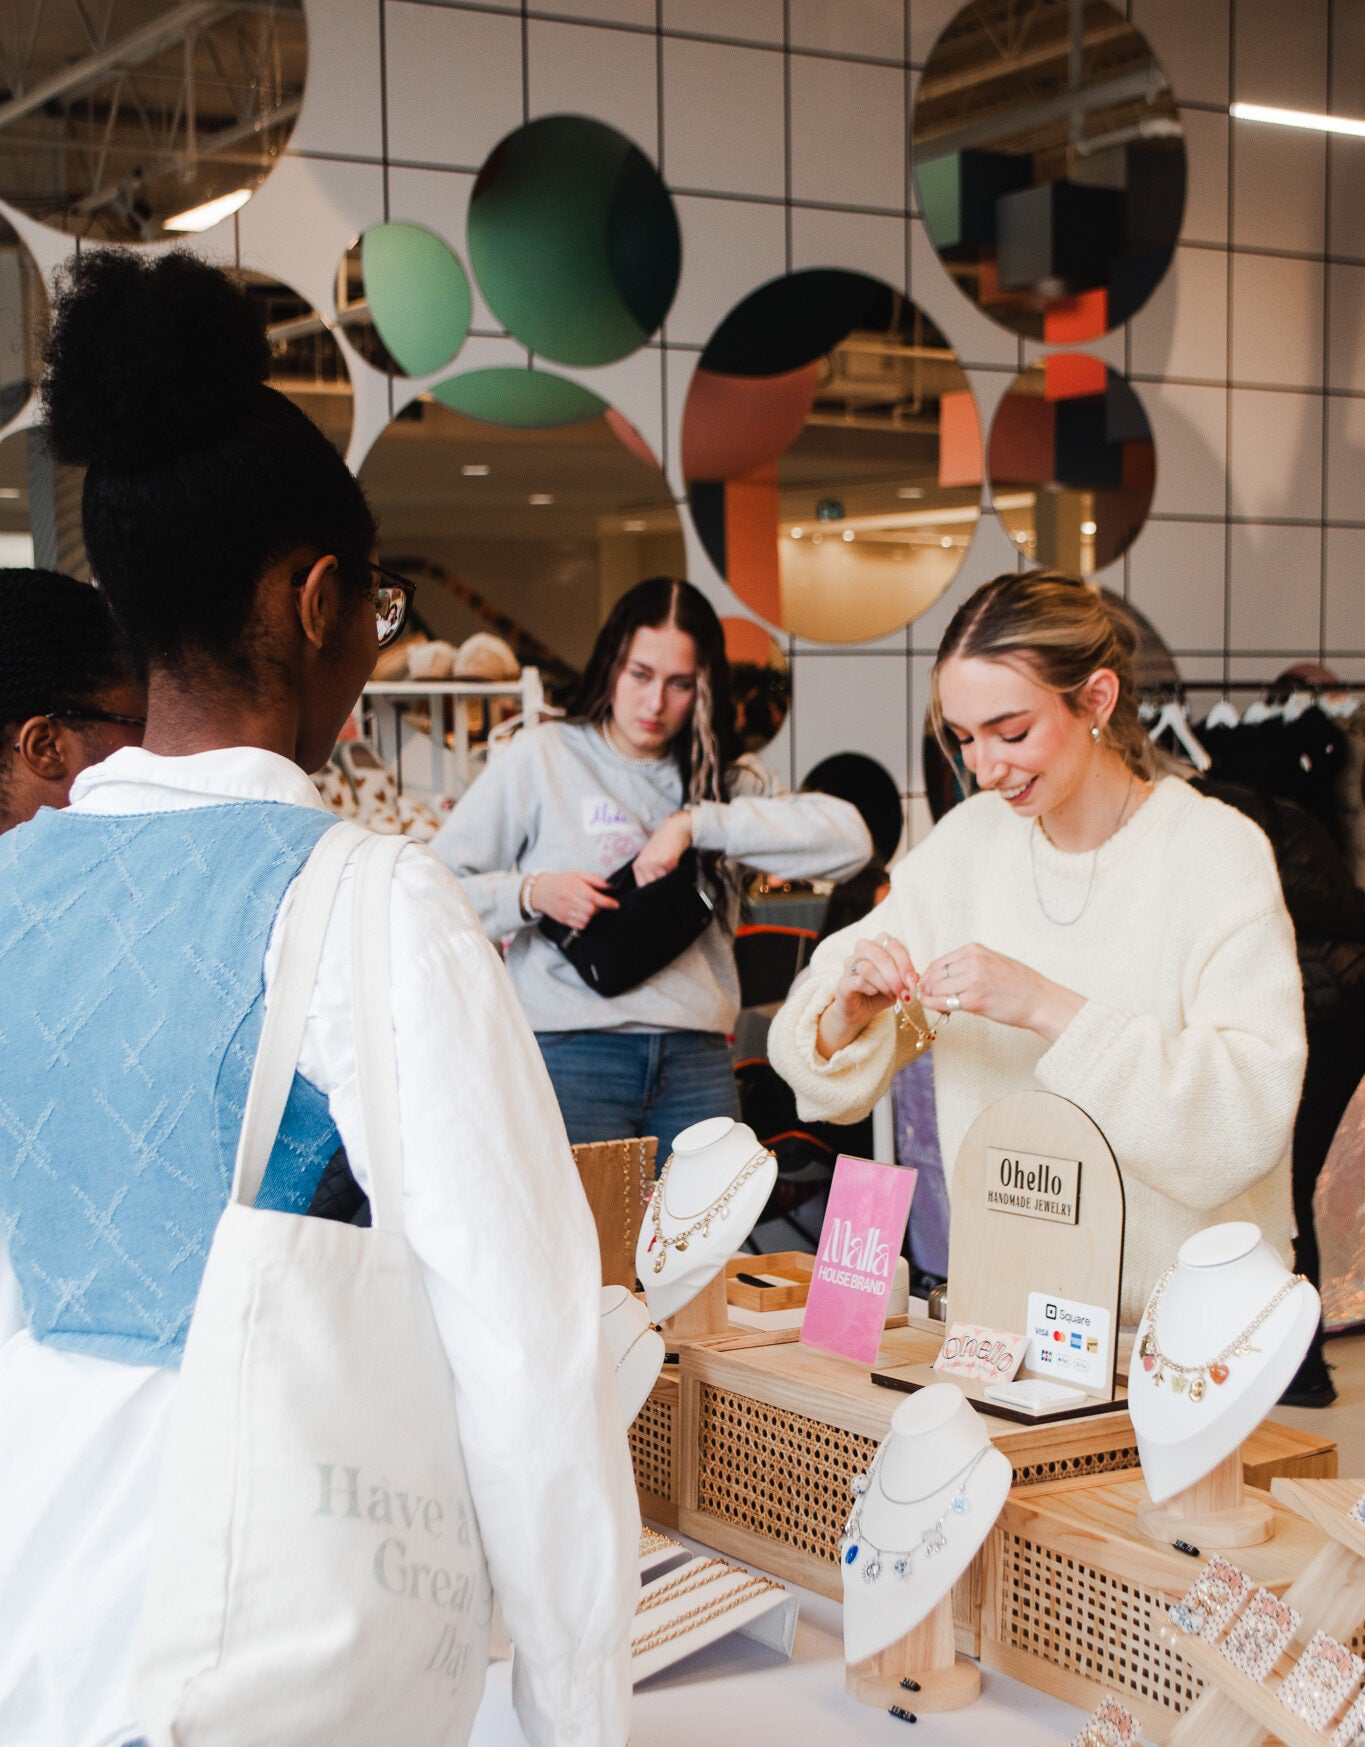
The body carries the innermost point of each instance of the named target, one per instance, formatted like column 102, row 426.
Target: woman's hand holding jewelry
column 571, row 898
column 973, row 979
column 665, row 849
column 877, row 974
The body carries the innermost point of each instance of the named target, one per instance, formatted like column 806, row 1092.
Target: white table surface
column 736, row 1693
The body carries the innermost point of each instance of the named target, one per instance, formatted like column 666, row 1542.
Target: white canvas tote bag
column 317, row 1578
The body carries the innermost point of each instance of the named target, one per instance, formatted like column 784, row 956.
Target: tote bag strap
column 372, row 1004
column 291, row 992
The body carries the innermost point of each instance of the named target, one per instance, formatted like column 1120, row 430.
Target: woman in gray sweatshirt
column 647, row 766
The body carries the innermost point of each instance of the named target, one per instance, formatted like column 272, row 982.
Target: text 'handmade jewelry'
column 1110, row 1725
column 855, row 1544
column 1193, row 1378
column 1256, row 1643
column 1321, row 1680
column 717, row 1209
column 1208, row 1606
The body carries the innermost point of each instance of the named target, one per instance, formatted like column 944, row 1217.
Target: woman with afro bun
column 137, row 947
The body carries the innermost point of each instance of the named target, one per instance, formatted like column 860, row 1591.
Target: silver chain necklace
column 1071, row 921
column 855, row 1545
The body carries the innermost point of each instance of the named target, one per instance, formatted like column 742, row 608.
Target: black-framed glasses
column 95, row 716
column 392, row 596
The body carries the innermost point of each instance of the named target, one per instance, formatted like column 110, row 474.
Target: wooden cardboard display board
column 617, row 1177
column 1037, row 1206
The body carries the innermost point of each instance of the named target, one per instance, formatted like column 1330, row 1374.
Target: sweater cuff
column 507, row 917
column 708, row 825
column 1066, row 1066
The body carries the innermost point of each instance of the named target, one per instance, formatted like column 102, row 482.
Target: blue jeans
column 613, row 1084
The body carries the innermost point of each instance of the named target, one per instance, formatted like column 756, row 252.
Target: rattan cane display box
column 751, row 1451
column 1074, row 1596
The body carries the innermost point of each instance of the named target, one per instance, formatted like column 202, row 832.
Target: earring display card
column 1256, row 1643
column 1108, row 1726
column 1207, row 1608
column 1350, row 1731
column 1321, row 1680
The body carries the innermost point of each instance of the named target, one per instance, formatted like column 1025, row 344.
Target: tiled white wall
column 782, row 127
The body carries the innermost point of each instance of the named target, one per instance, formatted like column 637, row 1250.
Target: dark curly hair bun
column 148, row 359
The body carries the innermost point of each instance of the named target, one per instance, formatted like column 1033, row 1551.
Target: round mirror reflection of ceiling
column 133, row 121
column 531, row 534
column 1050, row 165
column 760, row 682
column 574, row 240
column 832, row 454
column 1072, row 463
column 23, row 323
column 306, row 363
column 403, row 299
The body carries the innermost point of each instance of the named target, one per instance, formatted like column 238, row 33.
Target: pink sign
column 859, row 1244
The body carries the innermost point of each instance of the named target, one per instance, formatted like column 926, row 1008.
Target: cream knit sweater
column 1189, row 1051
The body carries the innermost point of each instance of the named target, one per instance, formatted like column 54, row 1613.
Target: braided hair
column 59, row 649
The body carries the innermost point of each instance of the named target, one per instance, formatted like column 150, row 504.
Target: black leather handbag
column 620, row 949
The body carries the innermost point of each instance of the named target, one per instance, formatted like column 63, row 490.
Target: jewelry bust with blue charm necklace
column 857, row 1551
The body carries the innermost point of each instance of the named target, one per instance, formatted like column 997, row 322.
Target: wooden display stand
column 617, row 1177
column 704, row 1318
column 1237, row 1711
column 927, row 1655
column 1075, row 1595
column 1216, row 1512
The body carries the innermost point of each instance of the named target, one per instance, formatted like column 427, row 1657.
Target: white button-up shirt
column 495, row 1212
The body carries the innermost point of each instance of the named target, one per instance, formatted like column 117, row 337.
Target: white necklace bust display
column 635, row 1345
column 716, row 1182
column 919, row 1516
column 1221, row 1337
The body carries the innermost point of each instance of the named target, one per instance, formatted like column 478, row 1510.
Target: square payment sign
column 1069, row 1341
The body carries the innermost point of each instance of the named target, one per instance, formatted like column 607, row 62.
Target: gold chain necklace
column 1071, row 921
column 694, row 1577
column 717, row 1209
column 714, row 1608
column 1195, row 1378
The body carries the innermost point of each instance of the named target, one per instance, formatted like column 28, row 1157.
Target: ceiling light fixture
column 634, row 527
column 797, row 533
column 946, row 541
column 476, row 470
column 910, row 491
column 1089, row 530
column 1295, row 118
column 10, row 491
column 202, row 218
column 848, row 533
column 540, row 498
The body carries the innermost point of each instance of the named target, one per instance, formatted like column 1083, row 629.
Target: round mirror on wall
column 133, row 121
column 1072, row 464
column 23, row 323
column 403, row 299
column 531, row 534
column 833, row 456
column 760, row 682
column 1050, row 165
column 574, row 240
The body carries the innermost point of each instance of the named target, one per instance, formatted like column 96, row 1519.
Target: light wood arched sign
column 1037, row 1206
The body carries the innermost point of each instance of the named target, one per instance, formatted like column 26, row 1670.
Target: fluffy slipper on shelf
column 420, row 822
column 335, row 788
column 368, row 775
column 434, row 660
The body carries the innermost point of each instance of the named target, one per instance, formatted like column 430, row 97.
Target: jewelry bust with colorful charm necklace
column 1193, row 1379
column 855, row 1547
column 717, row 1209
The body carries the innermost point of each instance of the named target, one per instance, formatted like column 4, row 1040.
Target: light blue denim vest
column 132, row 955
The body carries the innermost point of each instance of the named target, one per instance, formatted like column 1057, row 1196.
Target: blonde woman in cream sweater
column 1119, row 940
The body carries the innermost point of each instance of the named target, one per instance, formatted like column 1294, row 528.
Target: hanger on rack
column 1224, row 714
column 1171, row 719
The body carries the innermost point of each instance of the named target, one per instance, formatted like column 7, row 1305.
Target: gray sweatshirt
column 560, row 798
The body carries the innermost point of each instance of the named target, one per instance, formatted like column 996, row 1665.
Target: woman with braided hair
column 68, row 694
column 648, row 767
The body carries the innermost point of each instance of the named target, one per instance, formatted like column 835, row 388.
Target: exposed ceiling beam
column 1009, row 123
column 132, row 50
column 209, row 146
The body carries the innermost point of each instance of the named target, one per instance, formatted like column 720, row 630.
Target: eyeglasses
column 95, row 716
column 391, row 594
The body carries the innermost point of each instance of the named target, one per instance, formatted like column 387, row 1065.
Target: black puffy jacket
column 1325, row 904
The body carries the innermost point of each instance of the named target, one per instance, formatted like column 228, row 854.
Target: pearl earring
column 1095, row 732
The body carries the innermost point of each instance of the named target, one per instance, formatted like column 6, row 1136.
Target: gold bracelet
column 700, row 1616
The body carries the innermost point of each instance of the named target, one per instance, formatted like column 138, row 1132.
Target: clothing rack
column 1177, row 690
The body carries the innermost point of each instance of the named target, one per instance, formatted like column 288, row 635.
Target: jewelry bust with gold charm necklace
column 717, row 1209
column 1193, row 1379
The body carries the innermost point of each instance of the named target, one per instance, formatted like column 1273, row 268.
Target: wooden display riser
column 750, row 1450
column 1075, row 1596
